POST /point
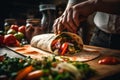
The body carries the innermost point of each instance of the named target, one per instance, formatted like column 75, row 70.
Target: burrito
column 65, row 43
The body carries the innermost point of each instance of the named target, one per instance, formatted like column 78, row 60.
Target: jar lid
column 34, row 20
column 10, row 20
column 47, row 6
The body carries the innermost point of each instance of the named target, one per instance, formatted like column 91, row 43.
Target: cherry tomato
column 22, row 29
column 9, row 40
column 64, row 48
column 17, row 44
column 109, row 60
column 19, row 36
column 11, row 31
column 14, row 27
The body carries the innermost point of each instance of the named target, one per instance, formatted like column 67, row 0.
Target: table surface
column 104, row 71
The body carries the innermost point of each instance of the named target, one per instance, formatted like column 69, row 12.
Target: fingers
column 79, row 14
column 67, row 21
column 57, row 26
column 70, row 21
column 76, row 20
column 66, row 24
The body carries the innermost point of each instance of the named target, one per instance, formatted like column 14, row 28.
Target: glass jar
column 8, row 22
column 33, row 28
column 48, row 16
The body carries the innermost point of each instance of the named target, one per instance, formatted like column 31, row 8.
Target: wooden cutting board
column 36, row 53
column 102, row 70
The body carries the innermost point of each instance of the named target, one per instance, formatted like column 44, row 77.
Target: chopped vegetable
column 64, row 48
column 35, row 74
column 109, row 60
column 64, row 44
column 55, row 41
column 24, row 72
column 70, row 68
column 1, row 58
column 46, row 69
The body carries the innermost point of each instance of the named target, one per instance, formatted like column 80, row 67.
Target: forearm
column 72, row 2
column 109, row 6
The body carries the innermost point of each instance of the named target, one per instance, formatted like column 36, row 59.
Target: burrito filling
column 65, row 44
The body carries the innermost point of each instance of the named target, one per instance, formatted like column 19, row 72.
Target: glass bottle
column 33, row 28
column 48, row 16
column 33, row 22
column 8, row 22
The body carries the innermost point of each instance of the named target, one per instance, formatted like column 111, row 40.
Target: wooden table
column 105, row 72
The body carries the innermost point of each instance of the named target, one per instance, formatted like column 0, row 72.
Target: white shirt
column 107, row 22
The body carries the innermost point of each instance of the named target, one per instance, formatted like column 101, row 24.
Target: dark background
column 23, row 9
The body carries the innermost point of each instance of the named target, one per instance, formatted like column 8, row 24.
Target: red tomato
column 17, row 44
column 14, row 27
column 22, row 29
column 1, row 39
column 109, row 60
column 64, row 48
column 29, row 32
column 1, row 58
column 55, row 42
column 9, row 40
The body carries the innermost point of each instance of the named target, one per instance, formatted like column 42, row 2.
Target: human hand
column 62, row 23
column 73, row 16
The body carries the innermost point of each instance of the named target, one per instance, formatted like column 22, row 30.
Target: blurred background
column 25, row 9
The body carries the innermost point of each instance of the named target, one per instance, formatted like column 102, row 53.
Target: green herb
column 11, row 66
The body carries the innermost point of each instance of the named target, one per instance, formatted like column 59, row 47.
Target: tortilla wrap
column 44, row 41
